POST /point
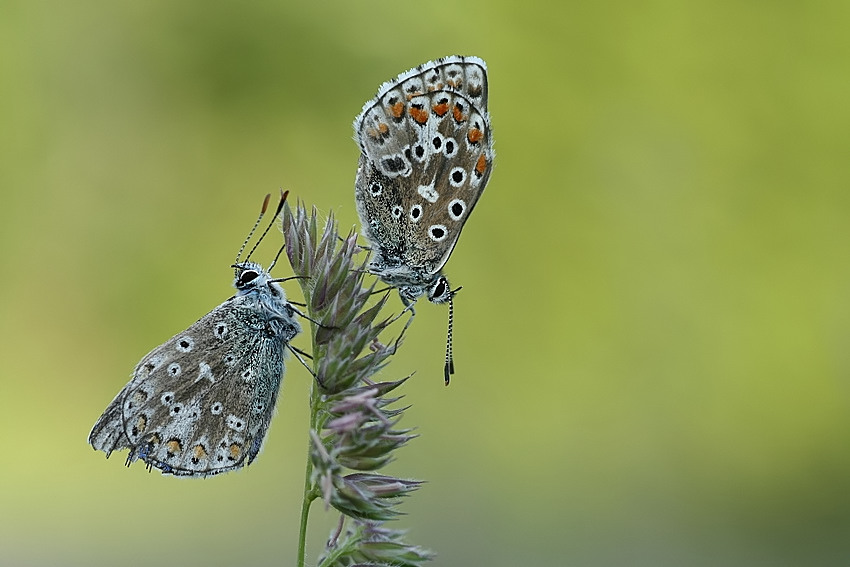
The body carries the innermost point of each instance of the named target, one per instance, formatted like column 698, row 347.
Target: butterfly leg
column 298, row 353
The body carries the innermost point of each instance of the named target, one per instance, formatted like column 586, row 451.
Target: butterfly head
column 252, row 277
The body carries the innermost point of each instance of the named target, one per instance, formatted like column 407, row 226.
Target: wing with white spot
column 200, row 403
column 426, row 157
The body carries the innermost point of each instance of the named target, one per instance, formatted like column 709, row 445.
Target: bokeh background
column 653, row 340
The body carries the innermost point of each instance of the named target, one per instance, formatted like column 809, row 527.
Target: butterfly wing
column 426, row 157
column 200, row 404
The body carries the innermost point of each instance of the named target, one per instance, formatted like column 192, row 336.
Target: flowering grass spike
column 353, row 431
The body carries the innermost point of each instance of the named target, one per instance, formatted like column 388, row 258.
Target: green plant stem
column 310, row 493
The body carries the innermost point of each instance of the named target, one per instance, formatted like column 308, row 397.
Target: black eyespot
column 415, row 212
column 438, row 232
column 437, row 142
column 457, row 176
column 393, row 164
column 419, row 151
column 375, row 188
column 397, row 212
column 456, row 209
column 450, row 147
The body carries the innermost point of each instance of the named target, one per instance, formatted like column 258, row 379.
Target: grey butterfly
column 426, row 156
column 200, row 404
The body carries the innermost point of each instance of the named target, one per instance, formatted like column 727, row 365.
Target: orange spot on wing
column 441, row 109
column 458, row 114
column 475, row 135
column 420, row 115
column 235, row 451
column 397, row 109
column 173, row 446
column 481, row 165
column 380, row 131
column 199, row 452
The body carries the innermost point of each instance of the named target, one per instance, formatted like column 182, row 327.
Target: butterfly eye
column 440, row 292
column 440, row 289
column 247, row 277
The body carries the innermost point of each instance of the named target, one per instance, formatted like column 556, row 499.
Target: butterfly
column 426, row 156
column 200, row 404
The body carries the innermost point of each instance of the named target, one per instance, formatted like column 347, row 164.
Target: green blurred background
column 653, row 340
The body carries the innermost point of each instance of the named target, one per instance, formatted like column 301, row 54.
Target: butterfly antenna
column 450, row 361
column 277, row 256
column 283, row 195
column 254, row 228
